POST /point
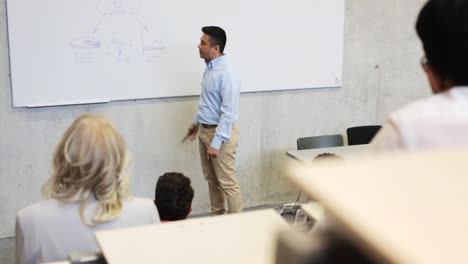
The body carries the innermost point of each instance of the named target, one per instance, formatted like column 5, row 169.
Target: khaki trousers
column 220, row 173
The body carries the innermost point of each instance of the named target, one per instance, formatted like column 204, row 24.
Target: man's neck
column 217, row 56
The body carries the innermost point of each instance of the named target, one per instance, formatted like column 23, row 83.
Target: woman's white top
column 50, row 230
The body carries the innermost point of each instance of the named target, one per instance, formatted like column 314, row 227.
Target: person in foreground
column 216, row 118
column 173, row 196
column 88, row 191
column 440, row 120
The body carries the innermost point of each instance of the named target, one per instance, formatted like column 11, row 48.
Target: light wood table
column 308, row 155
column 406, row 208
column 238, row 238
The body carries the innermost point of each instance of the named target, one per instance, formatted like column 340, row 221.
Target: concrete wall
column 381, row 73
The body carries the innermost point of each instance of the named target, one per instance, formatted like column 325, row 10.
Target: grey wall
column 381, row 73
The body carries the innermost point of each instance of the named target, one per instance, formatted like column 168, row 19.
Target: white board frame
column 61, row 51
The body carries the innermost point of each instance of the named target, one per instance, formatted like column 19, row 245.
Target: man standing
column 216, row 123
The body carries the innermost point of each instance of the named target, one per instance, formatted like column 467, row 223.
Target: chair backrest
column 326, row 141
column 361, row 134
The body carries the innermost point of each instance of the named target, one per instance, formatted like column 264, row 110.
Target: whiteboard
column 88, row 51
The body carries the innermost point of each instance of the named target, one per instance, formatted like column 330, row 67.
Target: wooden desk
column 407, row 208
column 239, row 238
column 307, row 155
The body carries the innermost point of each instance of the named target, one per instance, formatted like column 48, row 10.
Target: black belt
column 208, row 126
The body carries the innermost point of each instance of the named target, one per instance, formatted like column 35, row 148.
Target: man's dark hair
column 173, row 196
column 328, row 156
column 337, row 249
column 442, row 26
column 217, row 36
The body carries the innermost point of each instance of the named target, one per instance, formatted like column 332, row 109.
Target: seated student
column 88, row 191
column 287, row 209
column 440, row 120
column 173, row 196
column 332, row 247
column 327, row 157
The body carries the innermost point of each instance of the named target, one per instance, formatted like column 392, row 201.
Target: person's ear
column 189, row 212
column 437, row 81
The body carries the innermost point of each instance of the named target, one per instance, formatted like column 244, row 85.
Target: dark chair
column 361, row 134
column 326, row 141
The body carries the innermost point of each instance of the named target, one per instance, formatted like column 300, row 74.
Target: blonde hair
column 90, row 160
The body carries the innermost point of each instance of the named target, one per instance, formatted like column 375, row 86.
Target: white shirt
column 440, row 120
column 50, row 230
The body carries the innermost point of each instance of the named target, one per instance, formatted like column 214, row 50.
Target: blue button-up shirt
column 219, row 99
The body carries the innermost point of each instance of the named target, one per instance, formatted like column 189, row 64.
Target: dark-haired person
column 173, row 196
column 328, row 157
column 440, row 120
column 216, row 123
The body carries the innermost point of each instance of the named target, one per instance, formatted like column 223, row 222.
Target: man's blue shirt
column 219, row 99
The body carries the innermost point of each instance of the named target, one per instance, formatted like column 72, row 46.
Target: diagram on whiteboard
column 123, row 39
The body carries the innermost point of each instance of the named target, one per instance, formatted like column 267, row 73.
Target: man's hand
column 192, row 132
column 212, row 153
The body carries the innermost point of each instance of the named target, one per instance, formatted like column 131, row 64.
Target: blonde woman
column 88, row 191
